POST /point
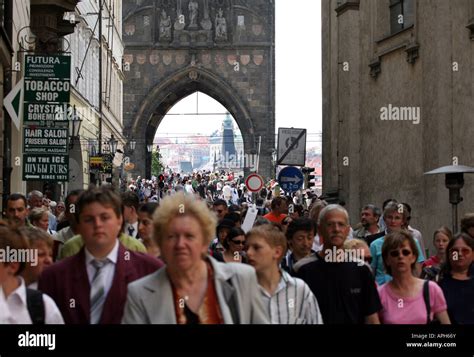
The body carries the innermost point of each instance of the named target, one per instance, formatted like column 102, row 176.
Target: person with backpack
column 24, row 305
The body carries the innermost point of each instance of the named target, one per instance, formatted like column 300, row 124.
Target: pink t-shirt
column 412, row 310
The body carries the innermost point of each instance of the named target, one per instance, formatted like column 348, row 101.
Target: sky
column 298, row 79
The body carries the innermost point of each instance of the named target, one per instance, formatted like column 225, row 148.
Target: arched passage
column 170, row 91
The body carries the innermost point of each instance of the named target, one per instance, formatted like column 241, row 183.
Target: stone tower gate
column 223, row 48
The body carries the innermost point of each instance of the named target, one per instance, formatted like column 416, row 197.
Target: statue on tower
column 193, row 14
column 221, row 26
column 165, row 26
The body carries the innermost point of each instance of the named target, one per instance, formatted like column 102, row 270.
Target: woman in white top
column 14, row 292
column 288, row 300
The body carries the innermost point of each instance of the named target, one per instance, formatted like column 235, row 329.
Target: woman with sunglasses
column 403, row 297
column 234, row 245
column 288, row 300
column 456, row 282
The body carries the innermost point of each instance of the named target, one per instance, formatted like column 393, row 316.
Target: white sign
column 291, row 147
column 249, row 218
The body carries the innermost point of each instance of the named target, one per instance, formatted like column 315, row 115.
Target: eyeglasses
column 464, row 251
column 238, row 242
column 396, row 253
column 285, row 223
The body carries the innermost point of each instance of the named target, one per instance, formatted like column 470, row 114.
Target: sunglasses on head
column 396, row 253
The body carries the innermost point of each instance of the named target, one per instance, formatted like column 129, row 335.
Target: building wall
column 85, row 93
column 21, row 19
column 369, row 159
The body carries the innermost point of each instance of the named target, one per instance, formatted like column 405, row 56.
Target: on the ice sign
column 45, row 167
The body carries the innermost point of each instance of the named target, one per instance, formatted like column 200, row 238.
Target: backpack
column 35, row 306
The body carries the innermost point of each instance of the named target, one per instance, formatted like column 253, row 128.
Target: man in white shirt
column 13, row 296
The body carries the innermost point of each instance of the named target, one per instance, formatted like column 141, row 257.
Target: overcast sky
column 298, row 79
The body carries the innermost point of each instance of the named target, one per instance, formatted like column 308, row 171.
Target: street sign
column 96, row 162
column 45, row 167
column 291, row 147
column 290, row 179
column 107, row 167
column 36, row 113
column 45, row 140
column 48, row 66
column 254, row 182
column 46, row 92
column 47, row 78
column 12, row 103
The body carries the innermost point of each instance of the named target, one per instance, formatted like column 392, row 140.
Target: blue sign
column 290, row 179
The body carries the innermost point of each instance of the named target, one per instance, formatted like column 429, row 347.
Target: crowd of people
column 200, row 249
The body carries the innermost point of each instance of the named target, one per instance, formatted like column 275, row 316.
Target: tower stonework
column 223, row 48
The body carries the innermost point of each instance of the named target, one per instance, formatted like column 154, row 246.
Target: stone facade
column 222, row 48
column 369, row 71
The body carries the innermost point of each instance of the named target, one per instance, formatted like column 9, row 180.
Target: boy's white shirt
column 5, row 314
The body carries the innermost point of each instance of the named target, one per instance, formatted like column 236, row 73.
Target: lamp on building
column 113, row 144
column 150, row 148
column 454, row 182
column 74, row 127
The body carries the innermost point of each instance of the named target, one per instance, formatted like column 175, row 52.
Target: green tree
column 156, row 166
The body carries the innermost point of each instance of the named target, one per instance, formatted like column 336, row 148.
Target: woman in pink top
column 402, row 298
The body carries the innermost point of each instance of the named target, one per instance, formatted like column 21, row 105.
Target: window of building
column 402, row 14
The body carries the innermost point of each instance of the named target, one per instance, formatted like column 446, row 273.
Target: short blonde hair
column 37, row 213
column 355, row 243
column 271, row 234
column 180, row 204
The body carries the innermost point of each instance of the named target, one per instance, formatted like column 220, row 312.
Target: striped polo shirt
column 292, row 302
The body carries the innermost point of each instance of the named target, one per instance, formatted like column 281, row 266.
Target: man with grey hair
column 345, row 290
column 35, row 200
column 370, row 229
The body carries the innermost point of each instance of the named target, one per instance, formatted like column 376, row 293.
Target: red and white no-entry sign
column 254, row 182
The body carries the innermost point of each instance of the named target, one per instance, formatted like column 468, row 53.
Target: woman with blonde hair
column 193, row 288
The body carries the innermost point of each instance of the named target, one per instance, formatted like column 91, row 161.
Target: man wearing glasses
column 345, row 290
